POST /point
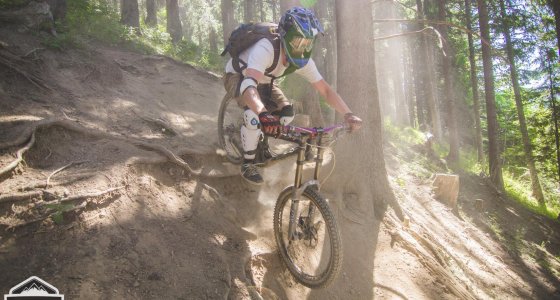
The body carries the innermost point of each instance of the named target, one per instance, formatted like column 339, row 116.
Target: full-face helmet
column 298, row 28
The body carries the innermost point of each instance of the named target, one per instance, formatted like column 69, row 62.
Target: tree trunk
column 555, row 6
column 151, row 13
column 213, row 40
column 261, row 10
column 554, row 113
column 409, row 83
column 535, row 184
column 474, row 85
column 396, row 54
column 249, row 11
column 228, row 19
column 491, row 115
column 419, row 92
column 453, row 155
column 58, row 9
column 174, row 27
column 187, row 27
column 428, row 70
column 274, row 10
column 363, row 175
column 287, row 4
column 129, row 13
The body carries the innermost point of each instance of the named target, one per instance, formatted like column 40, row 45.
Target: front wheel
column 313, row 253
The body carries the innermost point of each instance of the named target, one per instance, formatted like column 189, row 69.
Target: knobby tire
column 335, row 260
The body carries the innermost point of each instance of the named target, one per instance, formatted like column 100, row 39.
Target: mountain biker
column 265, row 106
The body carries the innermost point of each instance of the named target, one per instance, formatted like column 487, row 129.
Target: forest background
column 478, row 79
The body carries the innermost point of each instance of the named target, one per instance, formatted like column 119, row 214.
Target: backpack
column 245, row 36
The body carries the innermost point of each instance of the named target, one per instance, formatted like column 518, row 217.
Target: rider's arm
column 260, row 57
column 250, row 95
column 332, row 97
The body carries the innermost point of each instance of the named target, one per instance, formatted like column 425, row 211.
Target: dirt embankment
column 103, row 203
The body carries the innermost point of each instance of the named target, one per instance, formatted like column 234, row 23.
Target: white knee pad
column 250, row 119
column 250, row 133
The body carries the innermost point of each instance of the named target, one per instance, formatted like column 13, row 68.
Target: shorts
column 272, row 96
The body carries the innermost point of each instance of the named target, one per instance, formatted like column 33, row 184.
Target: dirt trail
column 166, row 233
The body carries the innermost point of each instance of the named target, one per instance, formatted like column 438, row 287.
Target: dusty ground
column 162, row 232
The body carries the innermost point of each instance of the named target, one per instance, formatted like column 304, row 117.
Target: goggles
column 300, row 44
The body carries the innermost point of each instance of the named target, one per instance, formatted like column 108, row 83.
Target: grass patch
column 519, row 189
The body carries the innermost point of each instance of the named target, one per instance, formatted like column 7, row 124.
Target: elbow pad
column 246, row 83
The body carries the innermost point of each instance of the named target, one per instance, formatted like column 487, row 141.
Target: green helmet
column 298, row 28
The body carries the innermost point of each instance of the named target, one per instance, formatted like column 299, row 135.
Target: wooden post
column 446, row 188
column 479, row 204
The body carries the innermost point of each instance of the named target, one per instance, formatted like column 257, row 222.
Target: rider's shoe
column 250, row 173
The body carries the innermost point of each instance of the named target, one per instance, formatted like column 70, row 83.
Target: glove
column 352, row 122
column 269, row 123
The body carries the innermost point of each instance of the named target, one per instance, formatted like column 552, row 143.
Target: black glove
column 270, row 124
column 352, row 121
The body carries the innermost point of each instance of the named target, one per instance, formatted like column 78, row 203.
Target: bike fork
column 298, row 190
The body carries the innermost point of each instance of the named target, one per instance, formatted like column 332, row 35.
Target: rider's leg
column 250, row 134
column 284, row 109
column 250, row 131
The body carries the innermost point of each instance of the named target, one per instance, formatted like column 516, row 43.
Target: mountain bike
column 305, row 229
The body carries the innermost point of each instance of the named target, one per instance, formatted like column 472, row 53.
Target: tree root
column 19, row 156
column 49, row 212
column 410, row 243
column 7, row 61
column 76, row 127
column 6, row 198
column 36, row 185
column 77, row 197
column 59, row 170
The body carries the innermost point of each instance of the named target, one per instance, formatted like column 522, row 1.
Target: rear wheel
column 314, row 253
column 230, row 119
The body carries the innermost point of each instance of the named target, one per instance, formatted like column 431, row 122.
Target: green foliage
column 98, row 20
column 60, row 42
column 308, row 3
column 91, row 19
column 7, row 4
column 519, row 189
column 468, row 161
column 59, row 209
column 404, row 136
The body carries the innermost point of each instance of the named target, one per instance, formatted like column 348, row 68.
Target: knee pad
column 251, row 120
column 286, row 114
column 250, row 134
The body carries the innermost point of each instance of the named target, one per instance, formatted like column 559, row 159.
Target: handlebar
column 295, row 133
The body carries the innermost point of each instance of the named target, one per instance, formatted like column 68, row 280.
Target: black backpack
column 247, row 35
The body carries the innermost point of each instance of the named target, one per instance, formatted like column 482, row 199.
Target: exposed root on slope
column 51, row 208
column 12, row 62
column 15, row 197
column 19, row 156
column 29, row 133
